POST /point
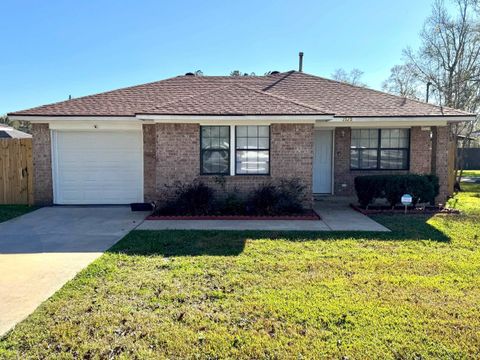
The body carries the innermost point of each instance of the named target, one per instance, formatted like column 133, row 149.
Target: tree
column 239, row 73
column 5, row 120
column 198, row 73
column 449, row 59
column 403, row 82
column 24, row 126
column 353, row 77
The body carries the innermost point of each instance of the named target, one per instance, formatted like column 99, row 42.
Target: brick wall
column 420, row 159
column 420, row 151
column 441, row 138
column 149, row 161
column 177, row 158
column 42, row 164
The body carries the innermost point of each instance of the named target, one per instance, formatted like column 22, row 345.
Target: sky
column 53, row 49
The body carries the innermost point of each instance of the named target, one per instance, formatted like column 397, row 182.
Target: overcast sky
column 51, row 49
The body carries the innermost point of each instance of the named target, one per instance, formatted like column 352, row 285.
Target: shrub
column 436, row 187
column 277, row 198
column 262, row 200
column 272, row 198
column 232, row 204
column 368, row 188
column 423, row 188
column 190, row 199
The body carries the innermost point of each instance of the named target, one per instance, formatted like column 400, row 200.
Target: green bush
column 232, row 204
column 190, row 199
column 369, row 188
column 282, row 197
column 423, row 188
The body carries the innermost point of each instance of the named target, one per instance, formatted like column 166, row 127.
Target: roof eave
column 419, row 118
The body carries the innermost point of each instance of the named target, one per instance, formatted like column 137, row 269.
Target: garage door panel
column 99, row 167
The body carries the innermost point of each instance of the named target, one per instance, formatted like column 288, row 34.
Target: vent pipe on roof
column 428, row 91
column 300, row 61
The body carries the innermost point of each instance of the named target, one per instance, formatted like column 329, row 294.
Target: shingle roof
column 235, row 99
column 290, row 93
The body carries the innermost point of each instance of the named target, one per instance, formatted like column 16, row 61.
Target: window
column 252, row 150
column 215, row 150
column 384, row 149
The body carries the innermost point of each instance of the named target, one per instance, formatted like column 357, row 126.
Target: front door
column 322, row 162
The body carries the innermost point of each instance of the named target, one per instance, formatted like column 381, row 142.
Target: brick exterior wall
column 172, row 153
column 420, row 151
column 441, row 138
column 42, row 164
column 177, row 158
column 149, row 161
column 420, row 159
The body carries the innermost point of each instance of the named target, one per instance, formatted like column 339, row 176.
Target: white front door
column 98, row 167
column 322, row 162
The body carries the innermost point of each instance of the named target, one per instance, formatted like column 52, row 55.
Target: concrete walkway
column 273, row 225
column 42, row 250
column 339, row 216
column 336, row 215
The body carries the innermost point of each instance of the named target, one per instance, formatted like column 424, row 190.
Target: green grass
column 410, row 294
column 8, row 212
column 471, row 173
column 468, row 200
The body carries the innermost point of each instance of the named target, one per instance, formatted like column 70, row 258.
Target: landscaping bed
column 385, row 209
column 282, row 199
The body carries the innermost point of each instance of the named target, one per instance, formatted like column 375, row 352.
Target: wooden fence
column 471, row 159
column 16, row 171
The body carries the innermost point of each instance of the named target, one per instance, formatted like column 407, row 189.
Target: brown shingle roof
column 347, row 100
column 290, row 93
column 235, row 99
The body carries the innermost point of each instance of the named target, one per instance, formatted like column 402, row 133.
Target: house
column 8, row 132
column 125, row 145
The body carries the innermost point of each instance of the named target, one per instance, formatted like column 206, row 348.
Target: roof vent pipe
column 300, row 61
column 428, row 91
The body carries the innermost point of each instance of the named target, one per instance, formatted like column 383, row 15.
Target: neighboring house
column 473, row 140
column 7, row 132
column 125, row 145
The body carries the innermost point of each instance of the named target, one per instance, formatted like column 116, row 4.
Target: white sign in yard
column 406, row 199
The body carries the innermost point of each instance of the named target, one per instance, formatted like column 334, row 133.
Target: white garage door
column 98, row 167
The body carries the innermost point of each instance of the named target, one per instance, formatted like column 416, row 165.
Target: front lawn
column 8, row 212
column 412, row 293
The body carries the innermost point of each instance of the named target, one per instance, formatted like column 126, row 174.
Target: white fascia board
column 94, row 125
column 407, row 119
column 379, row 124
column 244, row 119
column 49, row 119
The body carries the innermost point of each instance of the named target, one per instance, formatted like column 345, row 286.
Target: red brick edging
column 410, row 211
column 309, row 216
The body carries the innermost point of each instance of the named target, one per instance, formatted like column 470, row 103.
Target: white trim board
column 92, row 125
column 236, row 119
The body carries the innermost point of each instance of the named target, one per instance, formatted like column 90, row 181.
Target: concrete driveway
column 42, row 250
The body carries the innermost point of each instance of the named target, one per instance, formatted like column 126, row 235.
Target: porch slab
column 339, row 216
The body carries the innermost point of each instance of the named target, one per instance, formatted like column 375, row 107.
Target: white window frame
column 232, row 126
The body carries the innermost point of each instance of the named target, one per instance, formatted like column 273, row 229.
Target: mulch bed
column 376, row 209
column 308, row 215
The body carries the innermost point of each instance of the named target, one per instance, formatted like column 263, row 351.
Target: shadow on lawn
column 232, row 243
